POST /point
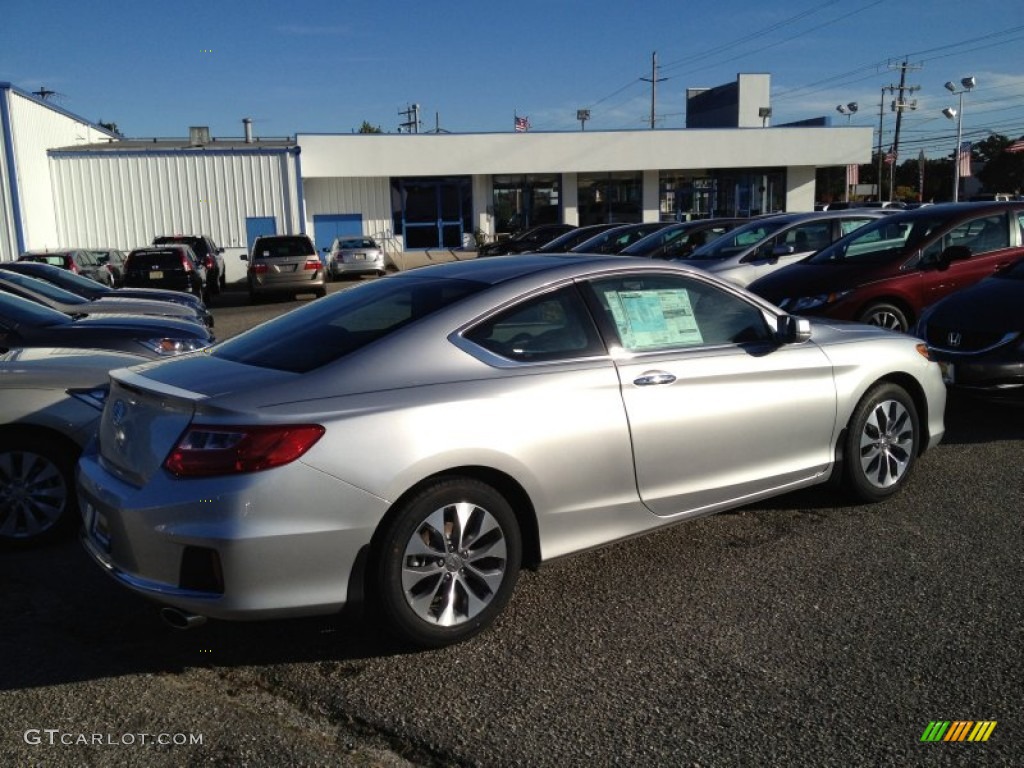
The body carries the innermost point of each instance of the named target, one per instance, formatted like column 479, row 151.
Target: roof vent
column 198, row 135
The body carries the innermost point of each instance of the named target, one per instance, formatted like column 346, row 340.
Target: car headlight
column 813, row 302
column 169, row 346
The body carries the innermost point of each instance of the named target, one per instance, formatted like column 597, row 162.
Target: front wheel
column 448, row 561
column 881, row 443
column 887, row 316
column 37, row 497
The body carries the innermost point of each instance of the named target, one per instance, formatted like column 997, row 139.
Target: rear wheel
column 448, row 562
column 882, row 442
column 37, row 496
column 887, row 316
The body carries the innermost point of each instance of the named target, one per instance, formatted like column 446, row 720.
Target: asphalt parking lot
column 802, row 631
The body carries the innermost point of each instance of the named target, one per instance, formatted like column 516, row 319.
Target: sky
column 318, row 66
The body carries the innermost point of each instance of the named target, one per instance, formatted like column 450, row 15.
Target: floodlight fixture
column 950, row 113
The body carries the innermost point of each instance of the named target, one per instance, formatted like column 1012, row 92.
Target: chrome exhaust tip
column 181, row 620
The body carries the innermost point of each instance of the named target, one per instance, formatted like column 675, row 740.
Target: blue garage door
column 256, row 226
column 328, row 226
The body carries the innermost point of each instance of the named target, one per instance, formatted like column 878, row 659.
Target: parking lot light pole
column 967, row 84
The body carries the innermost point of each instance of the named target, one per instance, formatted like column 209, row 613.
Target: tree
column 110, row 126
column 1003, row 171
column 367, row 128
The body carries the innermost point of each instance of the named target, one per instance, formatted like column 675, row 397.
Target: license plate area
column 156, row 275
column 97, row 526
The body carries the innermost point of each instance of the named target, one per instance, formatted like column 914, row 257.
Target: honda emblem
column 955, row 338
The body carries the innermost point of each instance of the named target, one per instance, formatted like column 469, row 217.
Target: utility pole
column 898, row 106
column 654, row 80
column 412, row 119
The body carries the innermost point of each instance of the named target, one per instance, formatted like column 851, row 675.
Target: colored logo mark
column 958, row 730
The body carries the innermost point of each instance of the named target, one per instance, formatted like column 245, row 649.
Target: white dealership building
column 67, row 182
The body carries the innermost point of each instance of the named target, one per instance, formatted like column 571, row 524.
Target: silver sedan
column 355, row 256
column 448, row 425
column 50, row 405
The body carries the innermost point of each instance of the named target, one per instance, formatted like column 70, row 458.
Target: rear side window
column 555, row 326
column 329, row 329
column 164, row 259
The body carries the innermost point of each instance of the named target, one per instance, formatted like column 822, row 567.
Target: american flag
column 522, row 124
column 890, row 157
column 964, row 158
column 1017, row 146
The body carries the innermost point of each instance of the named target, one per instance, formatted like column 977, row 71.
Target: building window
column 610, row 198
column 521, row 202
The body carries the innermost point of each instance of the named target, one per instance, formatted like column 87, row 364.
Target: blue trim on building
column 299, row 189
column 12, row 170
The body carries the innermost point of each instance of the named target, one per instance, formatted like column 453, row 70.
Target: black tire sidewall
column 399, row 528
column 63, row 457
column 856, row 482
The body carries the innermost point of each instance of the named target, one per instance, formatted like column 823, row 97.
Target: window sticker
column 654, row 319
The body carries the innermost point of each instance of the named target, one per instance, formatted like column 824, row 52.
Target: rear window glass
column 358, row 242
column 169, row 259
column 330, row 328
column 282, row 247
column 55, row 259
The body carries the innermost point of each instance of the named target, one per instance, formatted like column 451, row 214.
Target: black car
column 77, row 260
column 174, row 267
column 617, row 238
column 679, row 240
column 90, row 289
column 977, row 335
column 569, row 240
column 23, row 323
column 55, row 297
column 207, row 252
column 527, row 240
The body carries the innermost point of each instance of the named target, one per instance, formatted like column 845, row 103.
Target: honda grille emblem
column 955, row 338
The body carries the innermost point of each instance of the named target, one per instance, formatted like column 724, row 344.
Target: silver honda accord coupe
column 415, row 440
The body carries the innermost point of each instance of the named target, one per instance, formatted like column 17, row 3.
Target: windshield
column 16, row 311
column 50, row 291
column 881, row 240
column 330, row 328
column 738, row 241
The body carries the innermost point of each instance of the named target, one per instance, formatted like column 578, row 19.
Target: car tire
column 885, row 315
column 881, row 443
column 320, row 292
column 37, row 488
column 447, row 563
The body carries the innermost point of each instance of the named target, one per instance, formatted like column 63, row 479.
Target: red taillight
column 209, row 262
column 209, row 450
column 312, row 264
column 186, row 263
column 73, row 267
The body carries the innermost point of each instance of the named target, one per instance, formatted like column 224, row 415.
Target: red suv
column 886, row 272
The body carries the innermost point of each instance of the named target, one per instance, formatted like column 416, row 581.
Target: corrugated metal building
column 29, row 126
column 126, row 193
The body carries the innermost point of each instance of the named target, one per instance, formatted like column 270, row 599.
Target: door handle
column 650, row 378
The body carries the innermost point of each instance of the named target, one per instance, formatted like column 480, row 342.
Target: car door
column 987, row 237
column 718, row 410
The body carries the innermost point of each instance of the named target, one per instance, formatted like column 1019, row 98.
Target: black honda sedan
column 977, row 335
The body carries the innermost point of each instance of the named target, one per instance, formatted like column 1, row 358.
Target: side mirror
column 951, row 254
column 791, row 329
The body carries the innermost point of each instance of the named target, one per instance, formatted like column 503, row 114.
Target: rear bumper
column 276, row 543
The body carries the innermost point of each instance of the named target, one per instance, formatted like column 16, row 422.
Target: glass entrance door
column 433, row 213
